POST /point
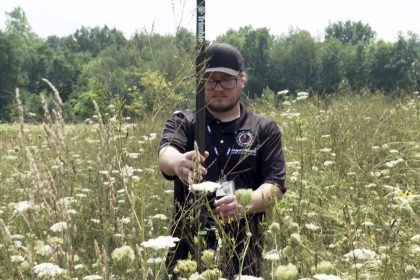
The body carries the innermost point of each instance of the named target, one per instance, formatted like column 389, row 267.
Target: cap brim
column 224, row 70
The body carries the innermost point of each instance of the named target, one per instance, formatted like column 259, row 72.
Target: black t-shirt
column 247, row 150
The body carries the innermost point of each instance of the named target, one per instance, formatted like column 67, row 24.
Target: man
column 243, row 150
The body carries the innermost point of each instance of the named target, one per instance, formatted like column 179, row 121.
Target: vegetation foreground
column 88, row 201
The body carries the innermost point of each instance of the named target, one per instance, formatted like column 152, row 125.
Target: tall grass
column 73, row 194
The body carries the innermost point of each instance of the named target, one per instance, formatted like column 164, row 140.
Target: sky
column 64, row 17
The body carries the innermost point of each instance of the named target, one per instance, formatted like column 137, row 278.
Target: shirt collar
column 242, row 123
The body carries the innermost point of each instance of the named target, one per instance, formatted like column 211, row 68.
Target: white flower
column 161, row 242
column 17, row 259
column 22, row 206
column 133, row 155
column 415, row 238
column 127, row 171
column 303, row 93
column 95, row 221
column 45, row 251
column 325, row 150
column 160, row 217
column 312, row 227
column 47, row 269
column 79, row 266
column 393, row 163
column 326, row 277
column 206, row 187
column 301, row 97
column 328, row 162
column 17, row 236
column 247, row 277
column 59, row 227
column 154, row 261
column 361, row 254
column 272, row 255
column 92, row 277
column 125, row 220
column 283, row 92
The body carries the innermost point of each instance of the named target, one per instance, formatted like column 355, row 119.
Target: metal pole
column 199, row 98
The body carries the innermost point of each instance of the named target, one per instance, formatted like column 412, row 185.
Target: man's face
column 222, row 91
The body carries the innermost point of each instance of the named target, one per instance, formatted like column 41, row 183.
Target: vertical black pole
column 199, row 98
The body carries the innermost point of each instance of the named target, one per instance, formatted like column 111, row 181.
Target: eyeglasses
column 228, row 83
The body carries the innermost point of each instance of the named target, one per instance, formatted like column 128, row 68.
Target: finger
column 225, row 200
column 203, row 170
column 205, row 156
column 190, row 155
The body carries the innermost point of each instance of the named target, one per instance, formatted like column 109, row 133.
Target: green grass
column 353, row 183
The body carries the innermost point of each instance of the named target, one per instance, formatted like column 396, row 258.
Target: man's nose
column 218, row 86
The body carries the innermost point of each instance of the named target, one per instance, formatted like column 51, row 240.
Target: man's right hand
column 174, row 163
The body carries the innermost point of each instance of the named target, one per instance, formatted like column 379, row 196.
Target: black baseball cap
column 223, row 57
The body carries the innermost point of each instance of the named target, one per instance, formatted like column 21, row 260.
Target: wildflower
column 328, row 162
column 272, row 255
column 324, row 267
column 312, row 227
column 160, row 217
column 127, row 171
column 393, row 163
column 125, row 220
column 360, row 254
column 325, row 150
column 45, row 251
column 22, row 206
column 47, row 269
column 295, row 239
column 92, row 277
column 410, row 271
column 286, row 272
column 326, row 277
column 206, row 187
column 17, row 259
column 154, row 260
column 275, row 228
column 185, row 268
column 59, row 227
column 79, row 266
column 415, row 238
column 123, row 258
column 133, row 155
column 161, row 242
column 283, row 92
column 211, row 274
column 247, row 277
column 95, row 221
column 207, row 258
column 244, row 197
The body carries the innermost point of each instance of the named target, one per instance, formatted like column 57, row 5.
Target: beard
column 219, row 107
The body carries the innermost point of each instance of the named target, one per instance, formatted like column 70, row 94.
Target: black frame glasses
column 227, row 83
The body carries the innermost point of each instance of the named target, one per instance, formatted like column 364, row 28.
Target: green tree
column 350, row 32
column 295, row 62
column 330, row 55
column 381, row 69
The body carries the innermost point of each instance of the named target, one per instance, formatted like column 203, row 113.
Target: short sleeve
column 271, row 157
column 176, row 132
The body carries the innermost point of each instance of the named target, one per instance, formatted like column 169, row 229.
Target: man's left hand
column 228, row 208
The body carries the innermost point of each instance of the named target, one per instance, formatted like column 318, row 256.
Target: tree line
column 150, row 72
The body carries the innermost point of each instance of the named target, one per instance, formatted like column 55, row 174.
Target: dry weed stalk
column 36, row 176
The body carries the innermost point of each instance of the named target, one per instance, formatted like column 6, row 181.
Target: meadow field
column 88, row 201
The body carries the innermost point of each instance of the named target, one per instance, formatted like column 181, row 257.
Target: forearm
column 168, row 158
column 263, row 197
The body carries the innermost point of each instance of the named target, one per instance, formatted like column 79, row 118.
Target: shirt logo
column 244, row 139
